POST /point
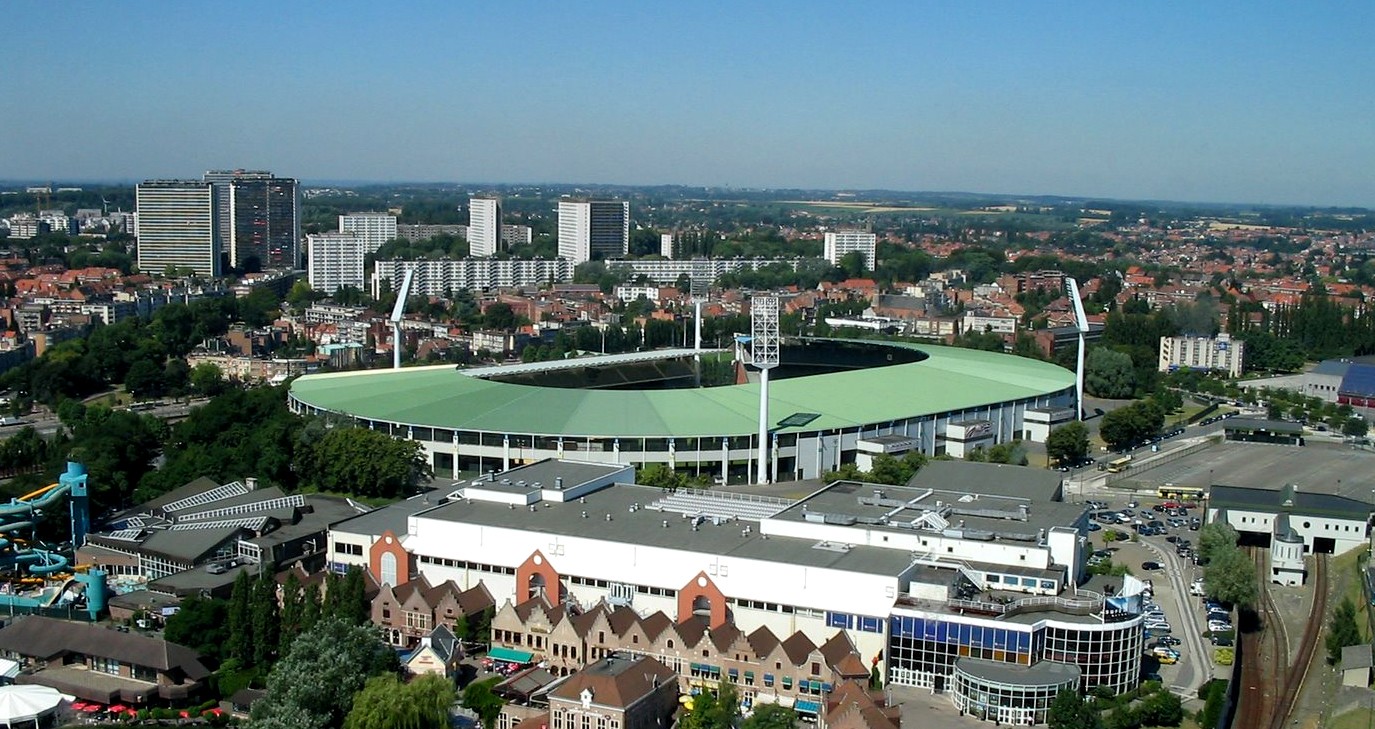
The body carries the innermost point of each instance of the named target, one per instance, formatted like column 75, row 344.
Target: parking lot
column 1170, row 581
column 1323, row 467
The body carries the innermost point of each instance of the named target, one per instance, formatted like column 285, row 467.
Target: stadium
column 830, row 402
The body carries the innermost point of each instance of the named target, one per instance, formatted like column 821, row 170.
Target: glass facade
column 1015, row 702
column 923, row 649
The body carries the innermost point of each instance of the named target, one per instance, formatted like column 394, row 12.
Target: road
column 1196, row 661
column 47, row 423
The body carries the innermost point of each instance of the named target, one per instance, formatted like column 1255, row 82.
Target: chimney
column 252, row 483
column 558, row 483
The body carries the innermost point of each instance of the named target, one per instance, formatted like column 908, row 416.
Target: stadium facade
column 473, row 421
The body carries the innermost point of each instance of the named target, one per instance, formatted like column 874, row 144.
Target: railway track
column 1270, row 683
column 1308, row 643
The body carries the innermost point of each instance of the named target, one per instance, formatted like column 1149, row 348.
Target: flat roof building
column 176, row 227
column 910, row 573
column 593, row 229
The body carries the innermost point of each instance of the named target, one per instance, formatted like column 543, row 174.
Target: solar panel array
column 255, row 523
column 219, row 493
column 295, row 501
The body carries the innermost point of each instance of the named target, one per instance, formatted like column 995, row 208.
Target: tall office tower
column 374, row 228
column 593, row 229
column 334, row 260
column 176, row 227
column 259, row 218
column 842, row 242
column 484, row 226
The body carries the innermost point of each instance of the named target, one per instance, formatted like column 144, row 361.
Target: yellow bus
column 1119, row 465
column 1180, row 493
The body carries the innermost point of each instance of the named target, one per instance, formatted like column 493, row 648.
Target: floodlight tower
column 1081, row 323
column 395, row 318
column 698, row 286
column 764, row 356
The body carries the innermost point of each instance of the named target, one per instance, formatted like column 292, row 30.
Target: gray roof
column 189, row 545
column 321, row 512
column 392, row 517
column 1356, row 657
column 645, row 526
column 45, row 638
column 573, row 473
column 1253, row 424
column 990, row 479
column 1288, row 499
column 1045, row 673
column 1331, row 367
column 1008, row 517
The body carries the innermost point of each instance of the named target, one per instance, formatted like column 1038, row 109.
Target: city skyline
column 1262, row 104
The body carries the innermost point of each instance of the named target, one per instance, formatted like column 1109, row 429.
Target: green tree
column 1215, row 537
column 1013, row 453
column 207, row 379
column 1230, row 576
column 481, row 700
column 200, row 623
column 292, row 612
column 362, row 462
column 1355, row 427
column 1109, row 373
column 1161, row 708
column 239, row 644
column 1068, row 443
column 353, row 601
column 714, row 710
column 1342, row 630
column 771, row 716
column 318, row 678
column 661, row 476
column 1070, row 711
column 499, row 316
column 387, row 703
column 264, row 618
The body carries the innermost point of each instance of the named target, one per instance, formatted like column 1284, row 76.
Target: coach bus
column 1181, row 493
column 1120, row 464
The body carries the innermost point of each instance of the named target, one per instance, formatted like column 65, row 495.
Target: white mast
column 1081, row 323
column 395, row 318
column 764, row 356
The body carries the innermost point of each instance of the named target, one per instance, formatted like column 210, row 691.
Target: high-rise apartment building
column 840, row 243
column 484, row 226
column 176, row 227
column 1218, row 354
column 374, row 228
column 593, row 229
column 259, row 220
column 335, row 260
column 666, row 245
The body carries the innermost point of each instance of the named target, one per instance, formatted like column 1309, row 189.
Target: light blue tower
column 75, row 479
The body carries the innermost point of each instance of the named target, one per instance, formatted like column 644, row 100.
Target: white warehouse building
column 975, row 562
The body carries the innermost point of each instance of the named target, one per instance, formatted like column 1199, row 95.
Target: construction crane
column 397, row 342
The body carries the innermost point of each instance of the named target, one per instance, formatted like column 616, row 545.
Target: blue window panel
column 803, row 685
column 963, row 633
column 943, row 632
column 870, row 625
column 1028, row 582
column 992, row 578
column 839, row 620
column 1047, row 585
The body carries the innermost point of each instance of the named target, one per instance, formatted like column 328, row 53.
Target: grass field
column 1347, row 569
column 1354, row 719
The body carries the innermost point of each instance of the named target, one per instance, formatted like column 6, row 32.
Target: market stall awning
column 509, row 655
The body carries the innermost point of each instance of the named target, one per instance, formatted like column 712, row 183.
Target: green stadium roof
column 949, row 379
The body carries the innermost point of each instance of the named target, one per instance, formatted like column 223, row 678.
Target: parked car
column 1217, row 626
column 1222, row 641
column 1152, row 566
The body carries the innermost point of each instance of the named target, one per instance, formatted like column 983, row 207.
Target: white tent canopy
column 25, row 705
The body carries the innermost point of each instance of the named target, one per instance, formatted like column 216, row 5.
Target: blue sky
column 1266, row 102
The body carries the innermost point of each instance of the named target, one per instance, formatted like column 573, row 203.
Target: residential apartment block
column 593, row 229
column 334, row 260
column 484, row 226
column 176, row 227
column 841, row 243
column 1218, row 354
column 439, row 277
column 374, row 228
